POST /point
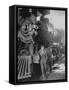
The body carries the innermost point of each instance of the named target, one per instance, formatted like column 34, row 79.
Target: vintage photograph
column 40, row 44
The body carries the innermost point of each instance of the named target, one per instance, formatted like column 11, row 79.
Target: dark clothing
column 49, row 61
column 36, row 71
column 35, row 67
column 49, row 64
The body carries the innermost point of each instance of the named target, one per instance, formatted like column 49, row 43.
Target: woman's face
column 42, row 48
column 29, row 27
column 33, row 19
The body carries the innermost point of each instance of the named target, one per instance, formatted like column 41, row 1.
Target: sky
column 57, row 18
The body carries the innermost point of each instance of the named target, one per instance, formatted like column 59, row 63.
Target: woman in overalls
column 43, row 62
